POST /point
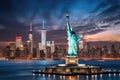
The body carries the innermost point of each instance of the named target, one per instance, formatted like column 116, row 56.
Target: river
column 22, row 70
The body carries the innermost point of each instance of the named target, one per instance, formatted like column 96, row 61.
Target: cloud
column 91, row 16
column 2, row 27
column 111, row 35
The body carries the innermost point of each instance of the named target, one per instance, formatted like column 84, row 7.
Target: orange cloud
column 111, row 35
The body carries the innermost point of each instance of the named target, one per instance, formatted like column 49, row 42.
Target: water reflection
column 101, row 76
column 10, row 70
column 71, row 78
column 77, row 77
column 57, row 77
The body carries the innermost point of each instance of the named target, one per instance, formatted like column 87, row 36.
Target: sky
column 99, row 20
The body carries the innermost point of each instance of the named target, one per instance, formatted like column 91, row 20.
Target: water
column 22, row 70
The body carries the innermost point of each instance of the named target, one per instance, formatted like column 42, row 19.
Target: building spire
column 31, row 26
column 43, row 27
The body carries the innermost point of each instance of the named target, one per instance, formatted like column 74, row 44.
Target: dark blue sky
column 94, row 17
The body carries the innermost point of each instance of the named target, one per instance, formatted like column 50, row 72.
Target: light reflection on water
column 81, row 77
column 22, row 70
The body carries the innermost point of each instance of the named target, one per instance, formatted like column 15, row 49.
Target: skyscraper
column 31, row 40
column 53, row 47
column 81, row 41
column 30, row 32
column 19, row 42
column 43, row 36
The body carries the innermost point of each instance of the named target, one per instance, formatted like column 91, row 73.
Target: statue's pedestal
column 71, row 60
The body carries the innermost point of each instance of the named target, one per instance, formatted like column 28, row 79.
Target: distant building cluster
column 49, row 50
column 18, row 50
column 99, row 52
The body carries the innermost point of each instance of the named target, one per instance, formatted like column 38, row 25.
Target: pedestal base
column 71, row 60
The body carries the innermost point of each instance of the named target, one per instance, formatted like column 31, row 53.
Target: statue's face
column 73, row 36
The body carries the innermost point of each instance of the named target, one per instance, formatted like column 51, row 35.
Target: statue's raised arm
column 69, row 28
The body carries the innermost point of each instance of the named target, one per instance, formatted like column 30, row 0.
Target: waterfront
column 22, row 70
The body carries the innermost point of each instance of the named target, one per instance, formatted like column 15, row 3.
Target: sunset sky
column 99, row 20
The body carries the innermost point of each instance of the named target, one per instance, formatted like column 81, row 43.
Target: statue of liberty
column 72, row 39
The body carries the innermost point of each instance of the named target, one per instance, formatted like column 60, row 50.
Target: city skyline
column 98, row 19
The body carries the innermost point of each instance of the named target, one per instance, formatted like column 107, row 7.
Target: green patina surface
column 72, row 39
